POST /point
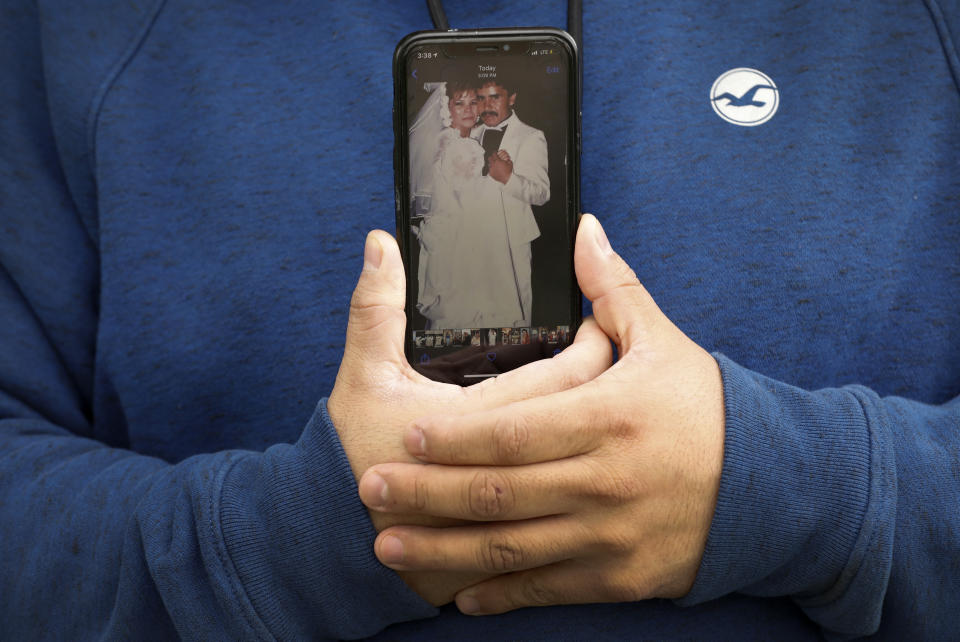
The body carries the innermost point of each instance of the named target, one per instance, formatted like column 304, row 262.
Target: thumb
column 377, row 319
column 622, row 307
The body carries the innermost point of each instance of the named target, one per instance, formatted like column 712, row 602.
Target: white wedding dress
column 466, row 276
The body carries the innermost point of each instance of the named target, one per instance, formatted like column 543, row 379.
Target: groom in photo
column 519, row 174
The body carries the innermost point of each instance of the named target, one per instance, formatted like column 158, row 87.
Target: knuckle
column 460, row 447
column 619, row 542
column 535, row 593
column 618, row 589
column 421, row 494
column 499, row 554
column 568, row 378
column 365, row 295
column 611, row 489
column 621, row 426
column 571, row 379
column 510, row 437
column 488, row 496
column 369, row 316
column 622, row 488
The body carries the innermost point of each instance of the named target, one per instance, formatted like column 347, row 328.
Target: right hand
column 500, row 167
column 378, row 394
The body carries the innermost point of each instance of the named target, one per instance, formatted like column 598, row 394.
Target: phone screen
column 491, row 203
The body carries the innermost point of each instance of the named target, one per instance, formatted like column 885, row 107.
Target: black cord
column 437, row 15
column 574, row 19
column 575, row 22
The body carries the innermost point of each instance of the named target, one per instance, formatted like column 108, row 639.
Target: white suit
column 528, row 185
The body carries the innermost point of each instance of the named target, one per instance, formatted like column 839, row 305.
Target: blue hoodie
column 184, row 192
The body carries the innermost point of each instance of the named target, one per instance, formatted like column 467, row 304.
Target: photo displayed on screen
column 489, row 233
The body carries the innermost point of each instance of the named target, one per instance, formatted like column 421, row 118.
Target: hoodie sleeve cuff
column 300, row 543
column 806, row 504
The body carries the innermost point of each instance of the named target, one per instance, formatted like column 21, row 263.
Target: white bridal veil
column 424, row 141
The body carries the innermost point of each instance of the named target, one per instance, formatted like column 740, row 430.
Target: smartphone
column 487, row 180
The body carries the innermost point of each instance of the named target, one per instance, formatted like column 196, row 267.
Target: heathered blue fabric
column 184, row 192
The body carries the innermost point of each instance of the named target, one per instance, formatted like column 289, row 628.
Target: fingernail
column 468, row 604
column 601, row 237
column 391, row 550
column 415, row 442
column 376, row 490
column 372, row 254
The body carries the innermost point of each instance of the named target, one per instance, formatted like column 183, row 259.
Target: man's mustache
column 488, row 113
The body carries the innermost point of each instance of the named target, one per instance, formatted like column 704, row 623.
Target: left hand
column 500, row 166
column 600, row 493
column 378, row 393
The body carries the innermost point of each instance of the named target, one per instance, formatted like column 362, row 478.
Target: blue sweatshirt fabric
column 184, row 191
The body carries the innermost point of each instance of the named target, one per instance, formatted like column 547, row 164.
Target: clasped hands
column 569, row 480
column 500, row 166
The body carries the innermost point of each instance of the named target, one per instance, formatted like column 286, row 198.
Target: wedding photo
column 487, row 211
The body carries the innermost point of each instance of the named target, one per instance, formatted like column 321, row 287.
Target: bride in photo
column 466, row 277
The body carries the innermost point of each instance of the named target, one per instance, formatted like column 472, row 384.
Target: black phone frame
column 513, row 35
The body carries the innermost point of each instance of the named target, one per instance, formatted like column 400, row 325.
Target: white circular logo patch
column 744, row 97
